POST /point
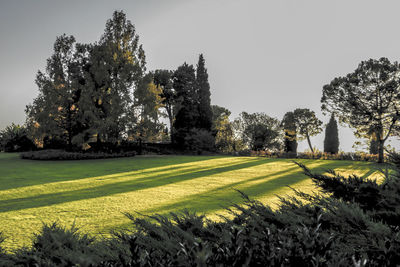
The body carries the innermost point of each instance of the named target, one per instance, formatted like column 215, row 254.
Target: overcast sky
column 262, row 56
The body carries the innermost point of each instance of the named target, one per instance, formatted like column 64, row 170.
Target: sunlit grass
column 95, row 194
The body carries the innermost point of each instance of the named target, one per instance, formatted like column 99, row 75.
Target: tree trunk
column 381, row 158
column 309, row 144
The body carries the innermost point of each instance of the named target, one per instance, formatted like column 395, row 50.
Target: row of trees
column 102, row 92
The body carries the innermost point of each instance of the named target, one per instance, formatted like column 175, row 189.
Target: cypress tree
column 331, row 142
column 204, row 96
column 373, row 144
column 289, row 127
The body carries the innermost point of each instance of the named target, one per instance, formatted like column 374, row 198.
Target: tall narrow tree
column 331, row 141
column 184, row 82
column 204, row 96
column 290, row 129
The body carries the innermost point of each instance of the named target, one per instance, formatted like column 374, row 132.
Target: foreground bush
column 353, row 222
column 64, row 155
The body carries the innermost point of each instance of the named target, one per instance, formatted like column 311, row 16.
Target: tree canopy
column 259, row 131
column 307, row 124
column 368, row 100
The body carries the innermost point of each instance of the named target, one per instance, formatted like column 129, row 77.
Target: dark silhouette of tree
column 53, row 114
column 373, row 144
column 204, row 96
column 367, row 99
column 331, row 141
column 163, row 79
column 289, row 127
column 184, row 82
column 307, row 124
column 259, row 131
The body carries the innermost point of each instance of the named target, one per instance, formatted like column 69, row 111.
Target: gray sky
column 262, row 56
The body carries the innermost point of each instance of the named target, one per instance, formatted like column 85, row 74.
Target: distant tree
column 147, row 103
column 222, row 129
column 184, row 83
column 204, row 96
column 290, row 130
column 331, row 141
column 54, row 112
column 259, row 131
column 367, row 99
column 117, row 66
column 307, row 124
column 373, row 144
column 15, row 138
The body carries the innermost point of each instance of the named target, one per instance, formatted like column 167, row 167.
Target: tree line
column 101, row 94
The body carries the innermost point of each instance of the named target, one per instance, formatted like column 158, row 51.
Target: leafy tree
column 163, row 79
column 203, row 92
column 147, row 103
column 222, row 129
column 367, row 99
column 14, row 138
column 289, row 127
column 117, row 66
column 54, row 112
column 331, row 141
column 184, row 82
column 307, row 124
column 259, row 131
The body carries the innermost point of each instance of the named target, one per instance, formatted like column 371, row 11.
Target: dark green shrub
column 64, row 155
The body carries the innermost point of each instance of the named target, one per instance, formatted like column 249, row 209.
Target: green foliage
column 51, row 154
column 307, row 124
column 367, row 99
column 15, row 138
column 331, row 141
column 86, row 90
column 193, row 103
column 289, row 127
column 223, row 129
column 58, row 246
column 163, row 79
column 259, row 131
column 204, row 100
column 147, row 103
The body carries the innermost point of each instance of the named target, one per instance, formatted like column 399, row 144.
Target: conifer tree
column 289, row 127
column 331, row 142
column 203, row 92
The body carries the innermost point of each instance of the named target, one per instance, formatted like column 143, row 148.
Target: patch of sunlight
column 92, row 182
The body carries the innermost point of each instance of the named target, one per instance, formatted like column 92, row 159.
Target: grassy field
column 95, row 194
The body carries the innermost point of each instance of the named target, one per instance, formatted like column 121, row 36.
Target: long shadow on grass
column 16, row 173
column 223, row 196
column 118, row 187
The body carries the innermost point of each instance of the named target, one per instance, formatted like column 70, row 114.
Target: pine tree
column 331, row 142
column 203, row 92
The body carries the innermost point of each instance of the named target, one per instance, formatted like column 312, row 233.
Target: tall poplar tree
column 331, row 141
column 117, row 66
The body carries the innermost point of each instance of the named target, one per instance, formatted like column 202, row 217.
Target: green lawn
column 94, row 194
